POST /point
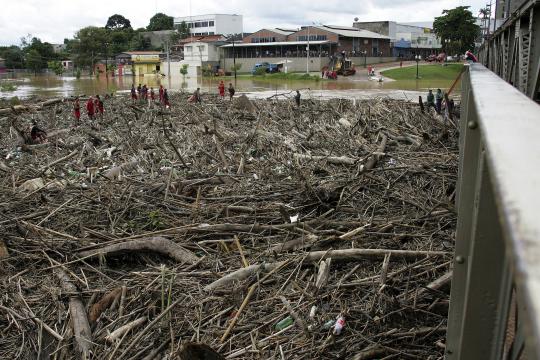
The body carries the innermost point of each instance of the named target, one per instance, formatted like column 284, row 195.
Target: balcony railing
column 495, row 297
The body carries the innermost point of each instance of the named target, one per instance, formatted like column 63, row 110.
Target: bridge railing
column 495, row 297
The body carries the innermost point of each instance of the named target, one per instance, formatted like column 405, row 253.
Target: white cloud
column 54, row 20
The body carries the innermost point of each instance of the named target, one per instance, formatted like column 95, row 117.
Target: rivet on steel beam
column 472, row 124
column 460, row 259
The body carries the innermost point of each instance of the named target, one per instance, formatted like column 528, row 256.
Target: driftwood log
column 157, row 244
column 77, row 311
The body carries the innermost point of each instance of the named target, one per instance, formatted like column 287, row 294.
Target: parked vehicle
column 268, row 68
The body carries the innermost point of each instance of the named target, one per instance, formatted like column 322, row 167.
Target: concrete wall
column 359, row 61
column 299, row 64
column 294, row 64
column 379, row 27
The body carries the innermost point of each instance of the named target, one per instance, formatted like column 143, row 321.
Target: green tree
column 55, row 66
column 183, row 30
column 118, row 22
column 160, row 21
column 458, row 26
column 13, row 56
column 34, row 61
column 88, row 45
column 184, row 70
column 139, row 42
column 120, row 40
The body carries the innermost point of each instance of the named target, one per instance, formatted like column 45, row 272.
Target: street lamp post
column 417, row 58
column 365, row 57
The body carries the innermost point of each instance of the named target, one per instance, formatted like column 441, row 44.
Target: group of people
column 94, row 107
column 221, row 89
column 143, row 94
column 436, row 101
column 196, row 96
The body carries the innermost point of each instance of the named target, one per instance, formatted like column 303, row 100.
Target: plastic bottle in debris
column 340, row 324
column 327, row 325
column 288, row 321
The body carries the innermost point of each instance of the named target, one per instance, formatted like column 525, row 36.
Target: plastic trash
column 282, row 324
column 327, row 325
column 340, row 324
column 312, row 311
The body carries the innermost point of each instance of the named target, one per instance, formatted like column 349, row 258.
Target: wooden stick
column 157, row 244
column 239, row 246
column 125, row 328
column 81, row 327
column 250, row 293
column 295, row 315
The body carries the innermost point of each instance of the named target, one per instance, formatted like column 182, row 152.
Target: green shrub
column 7, row 87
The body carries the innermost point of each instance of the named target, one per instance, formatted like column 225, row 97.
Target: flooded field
column 60, row 86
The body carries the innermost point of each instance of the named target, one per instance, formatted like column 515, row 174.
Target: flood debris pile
column 226, row 230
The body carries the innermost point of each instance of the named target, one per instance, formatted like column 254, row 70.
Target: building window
column 188, row 48
column 210, row 23
column 263, row 39
column 204, row 24
column 211, row 33
column 311, row 38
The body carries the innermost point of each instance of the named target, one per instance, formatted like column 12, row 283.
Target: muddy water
column 56, row 86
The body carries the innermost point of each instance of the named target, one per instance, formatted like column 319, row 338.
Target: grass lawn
column 426, row 72
column 288, row 76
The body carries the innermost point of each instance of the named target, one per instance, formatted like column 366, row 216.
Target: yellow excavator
column 344, row 66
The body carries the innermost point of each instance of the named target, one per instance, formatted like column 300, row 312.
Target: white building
column 212, row 24
column 201, row 55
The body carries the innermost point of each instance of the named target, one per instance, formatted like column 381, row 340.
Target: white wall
column 201, row 52
column 229, row 24
column 194, row 68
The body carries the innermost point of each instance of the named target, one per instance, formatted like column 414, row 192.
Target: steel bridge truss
column 513, row 51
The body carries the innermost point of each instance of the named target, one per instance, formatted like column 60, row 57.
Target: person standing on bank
column 438, row 101
column 90, row 109
column 221, row 89
column 297, row 98
column 77, row 110
column 231, row 91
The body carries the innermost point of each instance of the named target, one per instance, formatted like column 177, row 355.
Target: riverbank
column 147, row 217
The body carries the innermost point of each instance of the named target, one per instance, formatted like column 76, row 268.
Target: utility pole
column 168, row 62
column 234, row 60
column 307, row 48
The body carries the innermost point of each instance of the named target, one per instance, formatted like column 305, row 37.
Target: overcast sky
column 54, row 20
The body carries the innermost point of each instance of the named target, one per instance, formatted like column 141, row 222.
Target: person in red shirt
column 221, row 88
column 77, row 109
column 161, row 94
column 90, row 108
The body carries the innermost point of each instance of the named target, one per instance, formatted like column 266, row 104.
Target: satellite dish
column 356, row 19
